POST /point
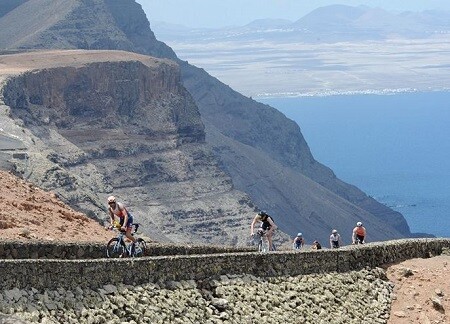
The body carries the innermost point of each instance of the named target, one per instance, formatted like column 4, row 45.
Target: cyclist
column 125, row 218
column 299, row 241
column 359, row 234
column 335, row 239
column 316, row 246
column 267, row 225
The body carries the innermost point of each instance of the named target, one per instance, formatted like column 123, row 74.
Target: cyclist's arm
column 253, row 224
column 354, row 236
column 111, row 216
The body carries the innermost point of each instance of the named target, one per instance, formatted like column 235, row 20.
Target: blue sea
column 396, row 148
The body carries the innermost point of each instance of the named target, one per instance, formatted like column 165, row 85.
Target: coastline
column 407, row 128
column 330, row 93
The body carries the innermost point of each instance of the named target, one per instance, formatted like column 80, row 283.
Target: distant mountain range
column 326, row 24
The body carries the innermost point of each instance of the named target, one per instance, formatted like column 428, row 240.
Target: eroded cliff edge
column 97, row 122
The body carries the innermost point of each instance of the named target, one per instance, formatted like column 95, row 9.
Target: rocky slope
column 95, row 123
column 30, row 213
column 408, row 292
column 262, row 151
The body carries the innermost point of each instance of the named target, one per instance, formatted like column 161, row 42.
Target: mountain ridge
column 333, row 23
column 251, row 128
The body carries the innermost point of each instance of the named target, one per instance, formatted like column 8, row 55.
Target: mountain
column 334, row 23
column 340, row 22
column 201, row 188
column 100, row 122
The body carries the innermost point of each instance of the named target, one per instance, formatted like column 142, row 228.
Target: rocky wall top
column 52, row 273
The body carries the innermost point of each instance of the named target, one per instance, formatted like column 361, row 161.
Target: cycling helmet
column 333, row 231
column 359, row 224
column 262, row 213
column 299, row 234
column 111, row 199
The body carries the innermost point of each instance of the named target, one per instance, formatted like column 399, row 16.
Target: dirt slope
column 31, row 213
column 422, row 288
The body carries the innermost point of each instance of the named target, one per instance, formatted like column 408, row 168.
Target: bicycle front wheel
column 115, row 248
column 139, row 247
column 260, row 246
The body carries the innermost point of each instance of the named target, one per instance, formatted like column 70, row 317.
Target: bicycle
column 263, row 242
column 117, row 248
column 358, row 240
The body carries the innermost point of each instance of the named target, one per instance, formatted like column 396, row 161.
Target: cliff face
column 279, row 179
column 262, row 151
column 125, row 126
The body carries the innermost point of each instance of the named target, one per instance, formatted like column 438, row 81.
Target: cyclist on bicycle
column 335, row 240
column 125, row 218
column 299, row 241
column 359, row 234
column 316, row 245
column 267, row 225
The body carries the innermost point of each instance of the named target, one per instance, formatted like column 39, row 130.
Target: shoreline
column 332, row 93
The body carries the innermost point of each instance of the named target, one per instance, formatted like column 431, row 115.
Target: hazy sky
column 219, row 13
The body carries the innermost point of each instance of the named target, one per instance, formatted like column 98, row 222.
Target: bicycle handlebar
column 119, row 228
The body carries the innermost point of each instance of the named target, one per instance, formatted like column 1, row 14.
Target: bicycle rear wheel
column 139, row 247
column 115, row 248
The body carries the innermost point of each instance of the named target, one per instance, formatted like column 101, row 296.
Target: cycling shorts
column 129, row 221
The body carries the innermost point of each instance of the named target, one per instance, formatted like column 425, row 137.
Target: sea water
column 396, row 148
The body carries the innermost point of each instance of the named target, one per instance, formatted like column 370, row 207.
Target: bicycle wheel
column 115, row 248
column 139, row 248
column 263, row 246
column 260, row 246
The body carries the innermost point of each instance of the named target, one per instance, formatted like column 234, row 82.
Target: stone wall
column 54, row 273
column 72, row 251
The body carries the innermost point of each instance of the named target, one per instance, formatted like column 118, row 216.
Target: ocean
column 396, row 148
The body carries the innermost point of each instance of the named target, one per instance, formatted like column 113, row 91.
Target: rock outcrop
column 96, row 123
column 263, row 153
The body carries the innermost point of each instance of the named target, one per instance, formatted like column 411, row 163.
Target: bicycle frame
column 117, row 247
column 263, row 242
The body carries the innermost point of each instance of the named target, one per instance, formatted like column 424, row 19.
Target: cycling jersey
column 265, row 223
column 120, row 211
column 335, row 238
column 360, row 231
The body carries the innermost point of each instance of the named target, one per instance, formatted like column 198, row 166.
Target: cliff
column 261, row 152
column 95, row 123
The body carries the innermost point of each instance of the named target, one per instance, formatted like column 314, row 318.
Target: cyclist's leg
column 269, row 241
column 129, row 227
column 140, row 247
column 359, row 239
